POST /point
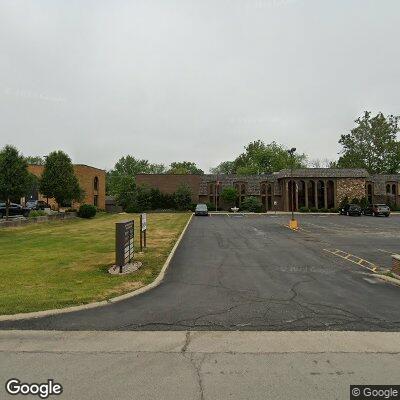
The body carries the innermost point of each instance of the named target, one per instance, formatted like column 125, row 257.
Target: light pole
column 293, row 222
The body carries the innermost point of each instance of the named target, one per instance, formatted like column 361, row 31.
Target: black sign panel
column 124, row 248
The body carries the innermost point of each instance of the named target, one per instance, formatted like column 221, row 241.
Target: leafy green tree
column 185, row 167
column 14, row 176
column 226, row 167
column 36, row 160
column 122, row 177
column 259, row 158
column 229, row 195
column 183, row 197
column 58, row 179
column 372, row 145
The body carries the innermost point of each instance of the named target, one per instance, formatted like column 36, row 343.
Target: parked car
column 201, row 209
column 351, row 209
column 36, row 205
column 377, row 209
column 14, row 209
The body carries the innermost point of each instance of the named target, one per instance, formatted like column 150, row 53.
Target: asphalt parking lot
column 234, row 272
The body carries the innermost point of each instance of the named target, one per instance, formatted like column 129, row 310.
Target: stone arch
column 311, row 194
column 301, row 193
column 330, row 191
column 321, row 194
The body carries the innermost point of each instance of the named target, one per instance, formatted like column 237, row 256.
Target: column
column 296, row 198
column 325, row 194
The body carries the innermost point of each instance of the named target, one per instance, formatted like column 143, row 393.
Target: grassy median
column 59, row 264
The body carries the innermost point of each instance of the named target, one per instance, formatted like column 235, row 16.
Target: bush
column 210, row 207
column 344, row 202
column 333, row 210
column 183, row 198
column 37, row 213
column 229, row 195
column 304, row 209
column 314, row 209
column 251, row 204
column 87, row 211
column 355, row 201
column 323, row 210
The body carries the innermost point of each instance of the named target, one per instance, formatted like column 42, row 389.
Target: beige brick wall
column 352, row 188
column 86, row 176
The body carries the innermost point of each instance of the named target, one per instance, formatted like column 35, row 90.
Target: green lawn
column 59, row 264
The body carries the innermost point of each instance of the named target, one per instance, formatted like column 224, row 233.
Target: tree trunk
column 7, row 208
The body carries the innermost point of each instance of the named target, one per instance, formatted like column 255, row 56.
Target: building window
column 95, row 200
column 96, row 183
column 388, row 189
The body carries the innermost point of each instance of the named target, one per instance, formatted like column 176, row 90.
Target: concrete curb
column 388, row 279
column 152, row 285
column 211, row 342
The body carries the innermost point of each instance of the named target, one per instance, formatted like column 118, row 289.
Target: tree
column 124, row 172
column 35, row 160
column 229, row 195
column 259, row 158
column 185, row 167
column 183, row 197
column 14, row 176
column 226, row 167
column 58, row 179
column 372, row 145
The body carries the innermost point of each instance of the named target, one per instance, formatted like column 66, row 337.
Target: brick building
column 92, row 180
column 313, row 187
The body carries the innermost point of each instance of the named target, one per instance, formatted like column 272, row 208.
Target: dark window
column 96, row 183
column 95, row 200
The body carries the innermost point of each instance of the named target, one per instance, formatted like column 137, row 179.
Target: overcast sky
column 173, row 80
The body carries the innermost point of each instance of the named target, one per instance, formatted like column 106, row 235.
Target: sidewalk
column 200, row 365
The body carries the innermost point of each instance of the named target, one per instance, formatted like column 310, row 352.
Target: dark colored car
column 36, row 205
column 377, row 209
column 201, row 209
column 351, row 209
column 14, row 209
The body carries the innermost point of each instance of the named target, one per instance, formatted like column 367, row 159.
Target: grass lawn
column 59, row 264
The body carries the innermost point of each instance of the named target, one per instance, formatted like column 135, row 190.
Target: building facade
column 92, row 180
column 321, row 188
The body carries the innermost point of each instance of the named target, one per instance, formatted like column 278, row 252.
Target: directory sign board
column 124, row 247
column 143, row 220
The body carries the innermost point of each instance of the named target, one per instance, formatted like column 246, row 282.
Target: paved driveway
column 252, row 273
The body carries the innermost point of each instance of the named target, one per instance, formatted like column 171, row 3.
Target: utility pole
column 293, row 222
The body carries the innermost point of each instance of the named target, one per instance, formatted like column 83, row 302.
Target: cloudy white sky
column 173, row 80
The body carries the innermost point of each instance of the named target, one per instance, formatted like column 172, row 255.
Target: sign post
column 124, row 248
column 143, row 230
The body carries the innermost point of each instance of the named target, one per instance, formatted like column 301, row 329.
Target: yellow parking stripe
column 354, row 259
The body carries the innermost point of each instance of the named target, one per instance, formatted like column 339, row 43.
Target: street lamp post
column 293, row 222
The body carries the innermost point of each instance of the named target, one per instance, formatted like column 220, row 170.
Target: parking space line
column 354, row 259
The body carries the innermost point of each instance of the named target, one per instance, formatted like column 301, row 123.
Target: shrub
column 355, row 201
column 87, row 211
column 304, row 209
column 333, row 210
column 37, row 213
column 344, row 202
column 364, row 202
column 229, row 196
column 251, row 204
column 323, row 210
column 211, row 207
column 183, row 197
column 313, row 209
